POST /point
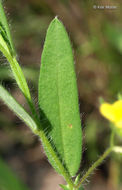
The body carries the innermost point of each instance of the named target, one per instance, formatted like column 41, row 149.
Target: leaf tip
column 56, row 19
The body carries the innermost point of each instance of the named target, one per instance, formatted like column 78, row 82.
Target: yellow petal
column 107, row 111
column 117, row 107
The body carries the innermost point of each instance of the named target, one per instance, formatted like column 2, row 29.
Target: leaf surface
column 17, row 108
column 58, row 97
column 18, row 74
column 7, row 48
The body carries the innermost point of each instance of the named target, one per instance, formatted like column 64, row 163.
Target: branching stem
column 95, row 165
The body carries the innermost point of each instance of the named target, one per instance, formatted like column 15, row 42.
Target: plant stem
column 58, row 163
column 96, row 164
column 19, row 77
column 21, row 81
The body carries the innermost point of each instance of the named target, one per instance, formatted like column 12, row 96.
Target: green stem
column 95, row 165
column 99, row 161
column 4, row 22
column 21, row 81
column 19, row 76
column 58, row 163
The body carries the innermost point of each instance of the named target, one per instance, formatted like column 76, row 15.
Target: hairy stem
column 21, row 81
column 49, row 148
column 95, row 165
column 18, row 75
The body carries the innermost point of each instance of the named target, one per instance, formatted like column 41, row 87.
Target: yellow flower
column 113, row 112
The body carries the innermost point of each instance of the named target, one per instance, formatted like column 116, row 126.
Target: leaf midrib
column 59, row 107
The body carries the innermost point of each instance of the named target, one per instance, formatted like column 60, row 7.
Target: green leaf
column 30, row 73
column 18, row 74
column 77, row 179
column 6, row 47
column 17, row 108
column 4, row 35
column 23, row 115
column 4, row 23
column 58, row 97
column 8, row 180
column 17, row 71
column 64, row 187
column 76, row 182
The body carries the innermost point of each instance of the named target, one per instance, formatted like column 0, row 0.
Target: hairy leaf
column 4, row 23
column 6, row 47
column 30, row 73
column 58, row 98
column 17, row 108
column 65, row 187
column 4, row 35
column 18, row 73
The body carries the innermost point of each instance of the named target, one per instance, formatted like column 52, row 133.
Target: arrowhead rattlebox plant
column 58, row 122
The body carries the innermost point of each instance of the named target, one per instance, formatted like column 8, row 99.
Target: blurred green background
column 96, row 36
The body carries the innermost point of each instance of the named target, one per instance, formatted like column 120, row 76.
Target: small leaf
column 58, row 97
column 4, row 35
column 4, row 22
column 17, row 108
column 77, row 179
column 4, row 47
column 8, row 180
column 64, row 187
